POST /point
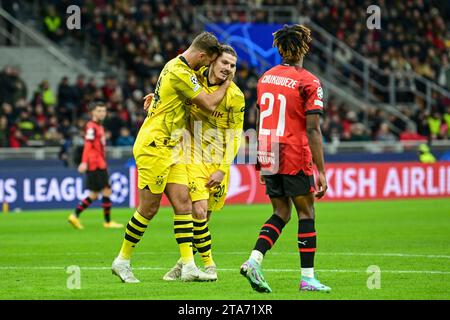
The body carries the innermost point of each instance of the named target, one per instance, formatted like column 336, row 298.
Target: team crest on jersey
column 159, row 180
column 192, row 187
column 320, row 92
column 194, row 81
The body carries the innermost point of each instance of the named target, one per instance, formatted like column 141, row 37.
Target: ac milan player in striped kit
column 289, row 141
column 93, row 163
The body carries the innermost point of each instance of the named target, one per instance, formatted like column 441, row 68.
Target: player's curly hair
column 292, row 42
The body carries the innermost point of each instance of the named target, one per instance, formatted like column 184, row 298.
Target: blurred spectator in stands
column 26, row 125
column 359, row 132
column 410, row 134
column 53, row 137
column 12, row 87
column 385, row 134
column 53, row 25
column 444, row 72
column 8, row 111
column 16, row 138
column 130, row 86
column 46, row 94
column 19, row 85
column 111, row 89
column 113, row 123
column 434, row 124
column 65, row 93
column 125, row 138
column 123, row 114
column 446, row 119
column 425, row 155
column 79, row 90
column 4, row 132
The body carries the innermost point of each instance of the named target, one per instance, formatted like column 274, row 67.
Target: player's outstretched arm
column 210, row 101
column 315, row 143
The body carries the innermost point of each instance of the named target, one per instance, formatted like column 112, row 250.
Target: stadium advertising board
column 355, row 181
column 57, row 188
column 63, row 188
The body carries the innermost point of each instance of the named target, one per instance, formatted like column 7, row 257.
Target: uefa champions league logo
column 119, row 186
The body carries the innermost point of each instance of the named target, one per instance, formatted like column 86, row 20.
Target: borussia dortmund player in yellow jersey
column 158, row 154
column 215, row 140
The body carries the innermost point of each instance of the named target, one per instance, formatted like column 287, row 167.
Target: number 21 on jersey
column 267, row 122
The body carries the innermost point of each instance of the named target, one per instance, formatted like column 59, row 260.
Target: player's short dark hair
column 228, row 49
column 207, row 42
column 96, row 104
column 292, row 42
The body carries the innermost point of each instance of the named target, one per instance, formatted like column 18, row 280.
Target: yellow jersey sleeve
column 236, row 104
column 185, row 82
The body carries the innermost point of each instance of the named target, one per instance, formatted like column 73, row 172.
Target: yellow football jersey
column 215, row 137
column 166, row 120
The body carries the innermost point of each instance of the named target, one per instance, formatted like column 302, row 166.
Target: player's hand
column 82, row 168
column 215, row 179
column 322, row 185
column 261, row 178
column 148, row 100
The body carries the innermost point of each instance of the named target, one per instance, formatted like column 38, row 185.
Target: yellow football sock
column 182, row 225
column 133, row 233
column 202, row 241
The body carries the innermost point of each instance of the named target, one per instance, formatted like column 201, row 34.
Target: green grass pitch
column 409, row 240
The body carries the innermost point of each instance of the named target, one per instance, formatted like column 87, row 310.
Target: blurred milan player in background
column 93, row 163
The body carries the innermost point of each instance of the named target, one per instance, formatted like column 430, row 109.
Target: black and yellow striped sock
column 202, row 241
column 182, row 226
column 133, row 233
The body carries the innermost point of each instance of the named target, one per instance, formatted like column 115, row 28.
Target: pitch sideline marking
column 235, row 270
column 404, row 255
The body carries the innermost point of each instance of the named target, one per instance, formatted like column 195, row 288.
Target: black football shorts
column 285, row 185
column 97, row 180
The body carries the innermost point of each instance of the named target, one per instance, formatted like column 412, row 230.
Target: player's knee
column 199, row 212
column 182, row 204
column 307, row 213
column 183, row 207
column 93, row 195
column 284, row 214
column 148, row 209
column 107, row 192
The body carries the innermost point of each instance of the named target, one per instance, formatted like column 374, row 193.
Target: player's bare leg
column 106, row 204
column 307, row 243
column 147, row 209
column 268, row 235
column 74, row 218
column 178, row 196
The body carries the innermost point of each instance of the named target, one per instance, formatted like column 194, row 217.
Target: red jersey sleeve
column 313, row 94
column 89, row 139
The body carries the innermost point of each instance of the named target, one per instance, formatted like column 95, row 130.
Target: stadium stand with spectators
column 139, row 36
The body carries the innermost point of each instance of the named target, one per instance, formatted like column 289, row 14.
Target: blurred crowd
column 52, row 117
column 142, row 35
